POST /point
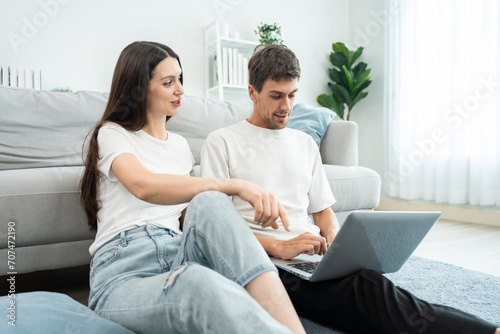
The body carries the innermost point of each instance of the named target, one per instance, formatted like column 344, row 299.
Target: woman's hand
column 267, row 206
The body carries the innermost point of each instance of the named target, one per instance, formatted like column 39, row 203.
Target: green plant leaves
column 332, row 103
column 359, row 68
column 340, row 48
column 348, row 76
column 340, row 92
column 338, row 59
column 353, row 56
column 349, row 57
column 269, row 33
column 338, row 77
column 360, row 86
column 348, row 82
column 358, row 97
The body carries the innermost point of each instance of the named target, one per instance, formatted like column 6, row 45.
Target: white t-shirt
column 284, row 162
column 120, row 210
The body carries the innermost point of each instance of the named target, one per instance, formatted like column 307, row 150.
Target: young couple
column 172, row 252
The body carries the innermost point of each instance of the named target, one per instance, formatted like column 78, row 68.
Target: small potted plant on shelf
column 269, row 33
column 348, row 81
column 62, row 90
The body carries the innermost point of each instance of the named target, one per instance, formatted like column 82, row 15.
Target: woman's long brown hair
column 126, row 106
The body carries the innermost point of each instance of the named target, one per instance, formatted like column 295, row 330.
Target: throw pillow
column 313, row 121
column 51, row 312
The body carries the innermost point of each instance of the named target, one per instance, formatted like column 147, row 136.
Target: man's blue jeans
column 152, row 280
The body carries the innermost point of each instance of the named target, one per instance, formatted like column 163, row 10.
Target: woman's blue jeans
column 152, row 280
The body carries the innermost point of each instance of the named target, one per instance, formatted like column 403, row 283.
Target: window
column 443, row 101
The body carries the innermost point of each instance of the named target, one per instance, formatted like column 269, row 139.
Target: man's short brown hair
column 276, row 62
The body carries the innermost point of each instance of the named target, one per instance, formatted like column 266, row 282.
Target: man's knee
column 370, row 274
column 373, row 281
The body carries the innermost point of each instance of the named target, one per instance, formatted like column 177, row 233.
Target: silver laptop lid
column 377, row 240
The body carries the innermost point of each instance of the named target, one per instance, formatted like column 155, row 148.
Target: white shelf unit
column 216, row 86
column 20, row 77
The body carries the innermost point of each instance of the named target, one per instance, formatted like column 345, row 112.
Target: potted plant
column 348, row 81
column 62, row 90
column 269, row 33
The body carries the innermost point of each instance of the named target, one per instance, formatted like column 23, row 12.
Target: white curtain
column 442, row 101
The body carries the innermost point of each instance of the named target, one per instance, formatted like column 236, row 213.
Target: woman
column 145, row 273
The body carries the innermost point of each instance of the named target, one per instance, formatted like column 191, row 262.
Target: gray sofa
column 41, row 139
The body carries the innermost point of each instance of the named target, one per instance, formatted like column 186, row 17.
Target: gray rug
column 445, row 284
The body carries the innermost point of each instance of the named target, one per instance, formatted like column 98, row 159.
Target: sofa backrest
column 48, row 129
column 199, row 116
column 45, row 128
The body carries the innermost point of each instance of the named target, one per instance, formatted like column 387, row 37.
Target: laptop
column 376, row 240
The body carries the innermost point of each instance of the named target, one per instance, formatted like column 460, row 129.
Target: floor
column 472, row 246
column 71, row 281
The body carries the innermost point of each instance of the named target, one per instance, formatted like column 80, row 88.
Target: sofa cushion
column 51, row 312
column 311, row 120
column 198, row 117
column 353, row 187
column 48, row 256
column 44, row 128
column 44, row 204
column 51, row 228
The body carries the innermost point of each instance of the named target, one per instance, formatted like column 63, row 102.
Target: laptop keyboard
column 308, row 267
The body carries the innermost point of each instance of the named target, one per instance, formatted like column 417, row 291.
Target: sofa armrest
column 340, row 144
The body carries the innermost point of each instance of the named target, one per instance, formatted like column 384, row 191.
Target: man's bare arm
column 327, row 223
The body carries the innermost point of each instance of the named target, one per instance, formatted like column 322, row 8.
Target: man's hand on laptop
column 306, row 243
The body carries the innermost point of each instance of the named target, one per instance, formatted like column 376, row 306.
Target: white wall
column 79, row 43
column 76, row 42
column 367, row 22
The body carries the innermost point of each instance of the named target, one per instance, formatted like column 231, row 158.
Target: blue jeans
column 151, row 280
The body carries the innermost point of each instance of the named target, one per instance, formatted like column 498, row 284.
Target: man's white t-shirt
column 120, row 210
column 284, row 162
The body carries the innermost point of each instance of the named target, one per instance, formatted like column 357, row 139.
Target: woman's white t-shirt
column 120, row 210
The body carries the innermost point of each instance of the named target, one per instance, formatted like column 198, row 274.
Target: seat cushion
column 47, row 256
column 354, row 187
column 44, row 204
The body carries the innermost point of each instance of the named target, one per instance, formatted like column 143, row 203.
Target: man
column 287, row 163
